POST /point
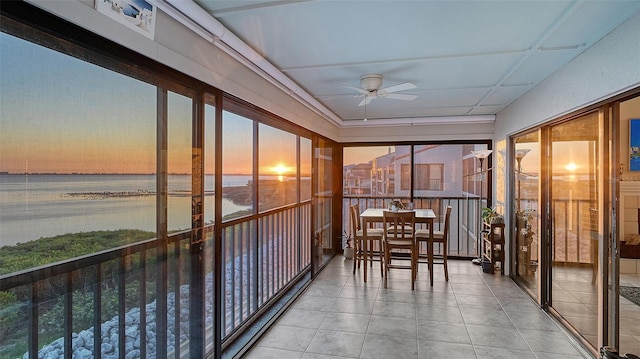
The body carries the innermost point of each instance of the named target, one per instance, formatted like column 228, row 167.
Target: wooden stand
column 493, row 240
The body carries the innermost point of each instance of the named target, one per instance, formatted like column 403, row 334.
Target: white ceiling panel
column 460, row 72
column 504, row 95
column 311, row 33
column 539, row 66
column 464, row 57
column 590, row 22
column 485, row 110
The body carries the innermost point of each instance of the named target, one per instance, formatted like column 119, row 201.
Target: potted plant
column 490, row 216
column 526, row 236
column 395, row 205
column 348, row 245
column 525, row 229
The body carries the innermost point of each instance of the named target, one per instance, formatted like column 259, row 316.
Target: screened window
column 305, row 169
column 278, row 169
column 429, row 176
column 237, row 165
column 78, row 159
column 179, row 162
column 87, row 153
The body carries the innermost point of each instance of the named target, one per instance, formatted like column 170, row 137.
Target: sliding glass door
column 576, row 214
column 527, row 210
column 625, row 303
column 575, row 165
column 323, row 246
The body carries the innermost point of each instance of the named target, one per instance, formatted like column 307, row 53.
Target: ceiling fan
column 370, row 88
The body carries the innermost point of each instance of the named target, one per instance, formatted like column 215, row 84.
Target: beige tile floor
column 474, row 315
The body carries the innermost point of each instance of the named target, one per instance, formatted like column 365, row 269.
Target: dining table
column 375, row 215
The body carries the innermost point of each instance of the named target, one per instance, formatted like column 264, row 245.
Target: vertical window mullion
column 97, row 312
column 143, row 304
column 161, row 223
column 68, row 315
column 197, row 310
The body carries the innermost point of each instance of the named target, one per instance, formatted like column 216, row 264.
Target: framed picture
column 634, row 144
column 138, row 15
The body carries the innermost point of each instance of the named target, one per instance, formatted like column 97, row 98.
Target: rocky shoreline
column 83, row 342
column 125, row 194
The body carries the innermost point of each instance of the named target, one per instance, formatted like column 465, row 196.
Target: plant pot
column 348, row 253
column 487, row 267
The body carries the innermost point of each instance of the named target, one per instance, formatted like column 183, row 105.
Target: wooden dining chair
column 402, row 237
column 373, row 235
column 392, row 227
column 441, row 237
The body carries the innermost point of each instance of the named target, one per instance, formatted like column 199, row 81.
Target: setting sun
column 571, row 166
column 280, row 170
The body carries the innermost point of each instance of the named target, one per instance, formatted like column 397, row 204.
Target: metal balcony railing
column 262, row 257
column 136, row 299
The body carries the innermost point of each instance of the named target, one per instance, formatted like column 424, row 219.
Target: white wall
column 418, row 132
column 178, row 47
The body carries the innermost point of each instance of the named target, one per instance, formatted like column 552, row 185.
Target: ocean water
column 37, row 206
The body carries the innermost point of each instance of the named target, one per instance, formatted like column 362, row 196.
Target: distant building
column 383, row 175
column 438, row 171
column 357, row 179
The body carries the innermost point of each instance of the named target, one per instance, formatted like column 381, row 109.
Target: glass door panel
column 527, row 222
column 574, row 169
column 323, row 247
column 628, row 332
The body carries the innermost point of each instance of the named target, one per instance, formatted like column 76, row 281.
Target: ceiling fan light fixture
column 371, row 82
column 371, row 89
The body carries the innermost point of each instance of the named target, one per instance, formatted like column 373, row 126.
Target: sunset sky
column 70, row 116
column 63, row 115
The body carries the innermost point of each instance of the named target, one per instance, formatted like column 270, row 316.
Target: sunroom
column 168, row 192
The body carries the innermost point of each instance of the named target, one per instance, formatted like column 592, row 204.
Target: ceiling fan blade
column 399, row 87
column 356, row 89
column 401, row 96
column 366, row 100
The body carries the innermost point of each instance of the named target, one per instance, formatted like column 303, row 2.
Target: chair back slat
column 447, row 218
column 356, row 209
column 400, row 225
column 355, row 220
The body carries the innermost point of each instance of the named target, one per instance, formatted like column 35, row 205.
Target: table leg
column 380, row 255
column 430, row 253
column 365, row 252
